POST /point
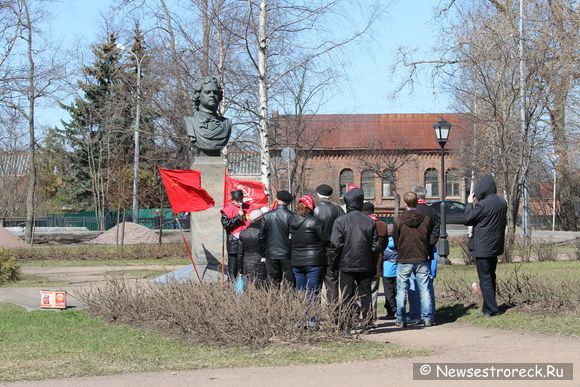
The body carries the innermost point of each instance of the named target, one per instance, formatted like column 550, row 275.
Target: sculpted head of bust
column 207, row 94
column 208, row 131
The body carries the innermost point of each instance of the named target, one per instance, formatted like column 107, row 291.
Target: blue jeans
column 413, row 292
column 309, row 278
column 415, row 298
column 421, row 271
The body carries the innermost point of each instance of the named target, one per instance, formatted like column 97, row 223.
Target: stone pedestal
column 206, row 227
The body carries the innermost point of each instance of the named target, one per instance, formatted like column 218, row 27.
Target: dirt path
column 454, row 343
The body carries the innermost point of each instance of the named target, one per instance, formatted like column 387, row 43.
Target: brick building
column 374, row 151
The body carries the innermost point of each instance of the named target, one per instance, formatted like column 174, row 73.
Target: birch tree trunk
column 263, row 96
column 31, row 195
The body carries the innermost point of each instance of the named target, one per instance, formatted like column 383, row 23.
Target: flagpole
column 223, row 260
column 224, row 232
column 188, row 249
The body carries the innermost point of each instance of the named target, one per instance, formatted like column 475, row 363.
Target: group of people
column 348, row 249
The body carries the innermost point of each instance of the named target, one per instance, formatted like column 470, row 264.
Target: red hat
column 308, row 201
column 351, row 186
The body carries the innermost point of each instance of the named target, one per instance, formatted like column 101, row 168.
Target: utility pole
column 139, row 62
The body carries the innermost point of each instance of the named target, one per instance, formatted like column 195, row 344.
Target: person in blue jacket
column 390, row 278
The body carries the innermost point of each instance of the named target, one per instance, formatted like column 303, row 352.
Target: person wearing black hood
column 486, row 212
column 411, row 233
column 354, row 242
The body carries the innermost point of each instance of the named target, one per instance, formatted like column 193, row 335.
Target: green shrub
column 9, row 269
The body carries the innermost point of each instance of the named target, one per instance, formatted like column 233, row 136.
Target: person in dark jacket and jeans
column 327, row 212
column 308, row 255
column 251, row 251
column 354, row 243
column 486, row 212
column 411, row 233
column 413, row 291
column 276, row 238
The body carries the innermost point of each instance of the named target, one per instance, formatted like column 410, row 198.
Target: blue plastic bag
column 239, row 285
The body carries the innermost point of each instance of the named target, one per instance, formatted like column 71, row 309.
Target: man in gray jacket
column 486, row 212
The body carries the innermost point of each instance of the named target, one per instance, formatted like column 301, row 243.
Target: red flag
column 254, row 191
column 184, row 190
column 274, row 205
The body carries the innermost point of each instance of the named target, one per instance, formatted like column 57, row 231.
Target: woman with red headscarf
column 308, row 255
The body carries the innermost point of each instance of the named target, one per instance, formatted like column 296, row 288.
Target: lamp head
column 442, row 129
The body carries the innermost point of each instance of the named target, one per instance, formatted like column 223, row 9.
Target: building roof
column 367, row 131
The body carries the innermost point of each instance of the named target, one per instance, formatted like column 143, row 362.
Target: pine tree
column 97, row 133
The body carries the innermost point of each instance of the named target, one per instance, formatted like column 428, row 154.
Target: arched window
column 388, row 182
column 367, row 183
column 432, row 182
column 452, row 183
column 346, row 177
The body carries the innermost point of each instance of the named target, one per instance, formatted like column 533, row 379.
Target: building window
column 367, row 183
column 346, row 177
column 388, row 180
column 432, row 182
column 452, row 183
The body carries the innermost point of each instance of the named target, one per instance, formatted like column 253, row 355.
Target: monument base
column 207, row 233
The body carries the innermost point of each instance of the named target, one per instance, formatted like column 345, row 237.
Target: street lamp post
column 139, row 62
column 442, row 129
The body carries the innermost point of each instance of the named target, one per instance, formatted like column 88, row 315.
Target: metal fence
column 92, row 223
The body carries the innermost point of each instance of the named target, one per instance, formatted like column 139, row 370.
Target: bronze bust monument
column 208, row 130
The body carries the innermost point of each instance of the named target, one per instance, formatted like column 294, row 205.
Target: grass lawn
column 556, row 271
column 514, row 319
column 522, row 321
column 51, row 344
column 33, row 281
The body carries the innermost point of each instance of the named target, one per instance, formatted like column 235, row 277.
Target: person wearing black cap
column 275, row 236
column 235, row 219
column 327, row 212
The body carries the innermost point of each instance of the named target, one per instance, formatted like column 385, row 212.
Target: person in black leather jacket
column 308, row 255
column 354, row 243
column 251, row 251
column 327, row 213
column 234, row 219
column 276, row 238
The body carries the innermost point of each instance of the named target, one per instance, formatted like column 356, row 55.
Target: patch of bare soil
column 134, row 234
column 10, row 241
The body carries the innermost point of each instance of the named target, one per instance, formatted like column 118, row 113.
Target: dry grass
column 211, row 314
column 518, row 288
column 102, row 253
